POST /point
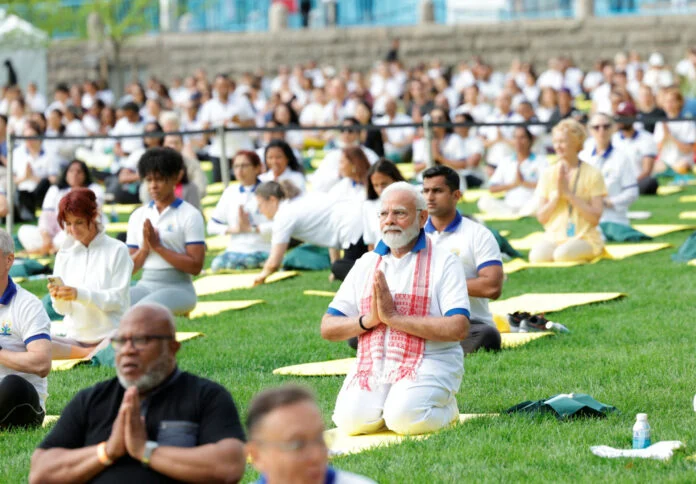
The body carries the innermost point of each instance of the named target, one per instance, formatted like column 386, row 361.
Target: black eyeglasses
column 138, row 342
column 597, row 127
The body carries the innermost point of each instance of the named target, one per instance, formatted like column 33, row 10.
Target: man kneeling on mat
column 407, row 303
column 25, row 348
column 286, row 439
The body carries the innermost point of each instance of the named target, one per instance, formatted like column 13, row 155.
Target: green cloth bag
column 48, row 306
column 307, row 257
column 614, row 232
column 105, row 357
column 28, row 267
column 565, row 406
column 687, row 251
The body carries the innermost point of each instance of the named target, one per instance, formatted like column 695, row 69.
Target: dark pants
column 648, row 186
column 28, row 202
column 19, row 404
column 473, row 181
column 341, row 267
column 481, row 336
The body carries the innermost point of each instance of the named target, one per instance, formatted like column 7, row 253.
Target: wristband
column 361, row 323
column 102, row 455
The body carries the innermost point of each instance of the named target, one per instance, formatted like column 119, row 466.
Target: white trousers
column 407, row 407
column 497, row 206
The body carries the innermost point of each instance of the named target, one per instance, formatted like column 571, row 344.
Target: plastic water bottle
column 550, row 325
column 641, row 432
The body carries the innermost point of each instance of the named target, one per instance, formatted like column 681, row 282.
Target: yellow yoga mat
column 550, row 302
column 312, row 292
column 319, row 368
column 210, row 200
column 215, row 188
column 657, row 230
column 212, row 308
column 406, row 170
column 473, row 195
column 613, row 252
column 669, row 190
column 342, row 444
column 62, row 365
column 687, row 215
column 528, row 241
column 228, row 282
column 122, row 209
column 117, row 227
column 217, row 242
column 515, row 340
column 208, row 212
column 687, row 198
column 50, row 419
column 490, row 217
column 692, row 262
column 207, row 165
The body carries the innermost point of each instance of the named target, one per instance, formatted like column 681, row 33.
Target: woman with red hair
column 93, row 273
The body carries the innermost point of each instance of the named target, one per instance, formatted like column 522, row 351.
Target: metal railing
column 427, row 125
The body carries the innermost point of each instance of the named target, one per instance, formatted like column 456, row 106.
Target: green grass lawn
column 637, row 354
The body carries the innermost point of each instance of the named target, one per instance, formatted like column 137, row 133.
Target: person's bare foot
column 332, row 277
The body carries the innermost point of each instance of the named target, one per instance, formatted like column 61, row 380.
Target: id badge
column 570, row 230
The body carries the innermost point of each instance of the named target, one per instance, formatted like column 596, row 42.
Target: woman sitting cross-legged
column 93, row 274
column 166, row 237
column 570, row 201
column 237, row 214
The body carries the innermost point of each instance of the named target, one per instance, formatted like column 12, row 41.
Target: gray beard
column 158, row 371
column 402, row 239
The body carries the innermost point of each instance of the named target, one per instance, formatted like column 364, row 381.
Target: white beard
column 401, row 239
column 159, row 370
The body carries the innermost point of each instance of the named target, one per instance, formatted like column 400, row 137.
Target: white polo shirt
column 620, row 179
column 315, row 218
column 217, row 113
column 43, row 166
column 506, row 174
column 500, row 149
column 371, row 230
column 476, row 248
column 296, row 177
column 448, row 294
column 226, row 213
column 179, row 225
column 23, row 320
column 123, row 127
column 327, row 174
column 396, row 135
column 460, row 148
column 636, row 147
column 685, row 132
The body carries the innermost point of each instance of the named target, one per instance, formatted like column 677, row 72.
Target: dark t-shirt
column 653, row 113
column 185, row 411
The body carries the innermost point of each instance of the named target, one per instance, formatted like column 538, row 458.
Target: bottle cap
column 642, row 416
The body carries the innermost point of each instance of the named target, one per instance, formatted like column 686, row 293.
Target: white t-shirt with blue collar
column 226, row 214
column 476, row 248
column 23, row 320
column 448, row 293
column 178, row 225
column 506, row 174
column 620, row 178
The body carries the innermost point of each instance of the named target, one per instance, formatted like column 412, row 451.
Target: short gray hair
column 6, row 242
column 406, row 188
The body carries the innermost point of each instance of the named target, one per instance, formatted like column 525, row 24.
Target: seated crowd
column 417, row 274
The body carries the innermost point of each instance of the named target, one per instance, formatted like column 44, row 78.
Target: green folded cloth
column 48, row 306
column 307, row 257
column 565, row 406
column 687, row 251
column 28, row 267
column 614, row 232
column 504, row 245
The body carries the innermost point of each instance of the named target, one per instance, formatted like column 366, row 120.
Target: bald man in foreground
column 152, row 423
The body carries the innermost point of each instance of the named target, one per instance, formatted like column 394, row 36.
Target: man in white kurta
column 407, row 303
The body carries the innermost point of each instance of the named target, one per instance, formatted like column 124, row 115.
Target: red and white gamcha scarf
column 380, row 363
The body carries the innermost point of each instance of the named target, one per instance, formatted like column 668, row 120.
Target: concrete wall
column 169, row 55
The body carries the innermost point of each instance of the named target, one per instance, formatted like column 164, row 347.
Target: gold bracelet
column 102, row 455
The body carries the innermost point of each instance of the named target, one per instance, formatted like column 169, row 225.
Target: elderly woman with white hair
column 571, row 195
